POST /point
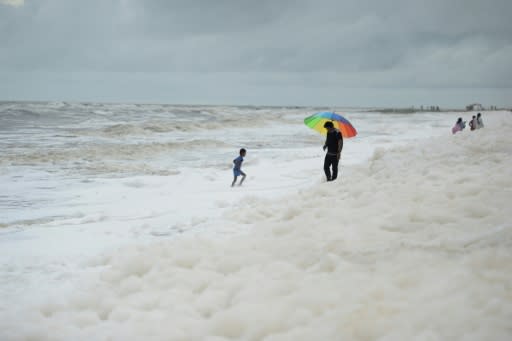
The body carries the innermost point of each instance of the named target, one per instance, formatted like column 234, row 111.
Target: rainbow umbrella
column 317, row 121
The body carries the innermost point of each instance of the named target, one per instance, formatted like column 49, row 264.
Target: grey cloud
column 360, row 43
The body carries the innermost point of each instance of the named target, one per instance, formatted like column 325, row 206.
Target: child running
column 237, row 169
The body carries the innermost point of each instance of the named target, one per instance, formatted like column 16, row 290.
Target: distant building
column 474, row 107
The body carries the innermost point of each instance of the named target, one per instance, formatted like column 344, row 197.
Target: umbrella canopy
column 318, row 120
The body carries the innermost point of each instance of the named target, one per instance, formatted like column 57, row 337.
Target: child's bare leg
column 243, row 178
column 234, row 180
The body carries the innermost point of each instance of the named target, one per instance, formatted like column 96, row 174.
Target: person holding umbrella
column 336, row 127
column 334, row 146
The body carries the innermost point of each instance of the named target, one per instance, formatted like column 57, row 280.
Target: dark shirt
column 332, row 142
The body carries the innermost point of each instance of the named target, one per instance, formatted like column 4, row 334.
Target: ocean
column 115, row 218
column 53, row 152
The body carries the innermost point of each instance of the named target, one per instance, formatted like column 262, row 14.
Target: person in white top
column 479, row 121
column 472, row 123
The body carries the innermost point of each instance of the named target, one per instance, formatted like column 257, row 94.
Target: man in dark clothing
column 334, row 145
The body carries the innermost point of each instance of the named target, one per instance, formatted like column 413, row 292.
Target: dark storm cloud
column 401, row 43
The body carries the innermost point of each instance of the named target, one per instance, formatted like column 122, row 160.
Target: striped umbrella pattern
column 318, row 120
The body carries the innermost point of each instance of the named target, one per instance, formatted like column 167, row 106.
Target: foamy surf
column 413, row 244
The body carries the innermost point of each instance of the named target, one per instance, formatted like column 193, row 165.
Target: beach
column 122, row 226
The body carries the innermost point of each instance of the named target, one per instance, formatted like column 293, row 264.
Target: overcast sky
column 268, row 52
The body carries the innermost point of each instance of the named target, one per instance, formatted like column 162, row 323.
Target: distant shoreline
column 395, row 110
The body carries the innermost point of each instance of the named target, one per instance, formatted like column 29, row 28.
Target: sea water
column 82, row 179
column 72, row 163
column 78, row 178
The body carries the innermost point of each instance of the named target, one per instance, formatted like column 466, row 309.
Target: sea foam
column 412, row 245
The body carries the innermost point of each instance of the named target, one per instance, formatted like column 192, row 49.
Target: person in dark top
column 334, row 145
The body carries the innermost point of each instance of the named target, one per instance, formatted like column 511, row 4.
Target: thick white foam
column 412, row 245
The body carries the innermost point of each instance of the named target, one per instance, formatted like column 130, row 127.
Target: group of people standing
column 475, row 123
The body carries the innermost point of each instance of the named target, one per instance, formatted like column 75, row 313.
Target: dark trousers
column 331, row 160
